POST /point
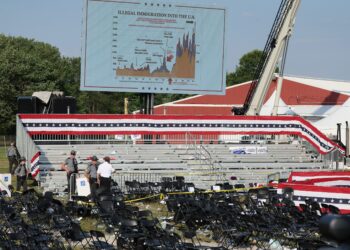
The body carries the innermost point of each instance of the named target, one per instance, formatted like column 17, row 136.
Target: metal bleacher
column 202, row 164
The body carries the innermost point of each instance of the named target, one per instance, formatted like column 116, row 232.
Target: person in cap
column 70, row 165
column 12, row 156
column 91, row 175
column 104, row 174
column 21, row 172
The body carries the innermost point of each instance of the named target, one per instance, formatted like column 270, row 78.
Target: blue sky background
column 319, row 48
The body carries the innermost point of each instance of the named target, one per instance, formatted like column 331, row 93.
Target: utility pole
column 347, row 139
column 126, row 105
column 147, row 104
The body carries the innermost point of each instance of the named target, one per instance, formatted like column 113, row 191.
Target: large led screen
column 153, row 47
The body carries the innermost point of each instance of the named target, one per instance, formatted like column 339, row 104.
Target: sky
column 319, row 47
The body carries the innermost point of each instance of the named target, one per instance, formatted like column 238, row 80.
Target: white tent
column 328, row 125
column 283, row 108
column 45, row 96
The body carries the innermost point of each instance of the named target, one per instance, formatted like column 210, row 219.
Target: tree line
column 27, row 65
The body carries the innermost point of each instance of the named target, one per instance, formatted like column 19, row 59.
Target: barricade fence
column 122, row 178
column 157, row 186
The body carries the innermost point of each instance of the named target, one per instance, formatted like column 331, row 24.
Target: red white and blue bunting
column 328, row 187
column 34, row 165
column 145, row 124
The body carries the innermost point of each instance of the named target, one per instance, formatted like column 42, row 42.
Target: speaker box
column 27, row 105
column 60, row 105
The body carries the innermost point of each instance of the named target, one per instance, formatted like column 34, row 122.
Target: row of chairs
column 138, row 229
column 241, row 220
column 257, row 219
column 33, row 221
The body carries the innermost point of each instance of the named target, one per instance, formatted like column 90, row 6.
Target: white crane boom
column 276, row 47
column 281, row 41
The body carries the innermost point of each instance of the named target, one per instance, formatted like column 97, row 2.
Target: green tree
column 246, row 68
column 25, row 66
column 164, row 98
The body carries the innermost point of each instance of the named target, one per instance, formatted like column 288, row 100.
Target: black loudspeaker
column 60, row 105
column 27, row 105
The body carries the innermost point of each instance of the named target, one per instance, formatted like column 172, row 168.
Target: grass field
column 3, row 160
column 4, row 165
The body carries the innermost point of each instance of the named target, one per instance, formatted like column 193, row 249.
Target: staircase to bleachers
column 204, row 165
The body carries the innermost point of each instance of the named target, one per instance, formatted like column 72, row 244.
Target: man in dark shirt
column 21, row 172
column 91, row 175
column 70, row 165
column 12, row 156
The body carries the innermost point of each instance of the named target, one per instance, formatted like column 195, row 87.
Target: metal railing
column 205, row 157
column 121, row 178
column 162, row 139
column 216, row 168
column 73, row 185
column 202, row 154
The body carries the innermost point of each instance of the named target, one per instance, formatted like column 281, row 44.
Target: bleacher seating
column 178, row 159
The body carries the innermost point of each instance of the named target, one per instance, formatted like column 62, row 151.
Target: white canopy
column 328, row 125
column 283, row 108
column 45, row 96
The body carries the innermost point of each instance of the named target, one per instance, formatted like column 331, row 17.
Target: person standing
column 91, row 175
column 12, row 156
column 21, row 172
column 70, row 165
column 104, row 174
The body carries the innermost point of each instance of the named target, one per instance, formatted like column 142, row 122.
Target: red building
column 322, row 102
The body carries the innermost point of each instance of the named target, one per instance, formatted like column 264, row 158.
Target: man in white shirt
column 104, row 174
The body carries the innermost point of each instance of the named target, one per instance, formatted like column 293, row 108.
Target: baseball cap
column 73, row 152
column 22, row 158
column 94, row 158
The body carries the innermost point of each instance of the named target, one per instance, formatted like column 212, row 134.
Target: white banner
column 248, row 150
